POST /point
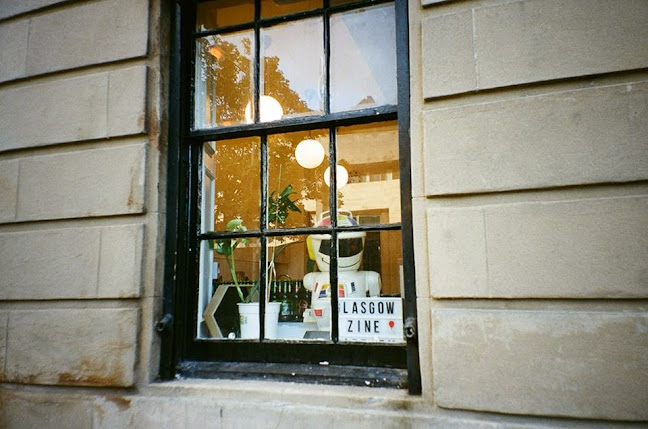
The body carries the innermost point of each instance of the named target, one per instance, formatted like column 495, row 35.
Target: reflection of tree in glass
column 227, row 72
column 276, row 85
column 227, row 75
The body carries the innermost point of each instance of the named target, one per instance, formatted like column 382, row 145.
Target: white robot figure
column 351, row 282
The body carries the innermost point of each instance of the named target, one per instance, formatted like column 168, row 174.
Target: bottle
column 284, row 314
column 273, row 292
column 295, row 303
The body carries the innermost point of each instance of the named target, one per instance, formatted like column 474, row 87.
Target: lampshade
column 342, row 176
column 309, row 153
column 270, row 110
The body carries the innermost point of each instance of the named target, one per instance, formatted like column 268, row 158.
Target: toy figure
column 351, row 282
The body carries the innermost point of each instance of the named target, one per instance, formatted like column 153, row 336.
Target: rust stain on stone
column 120, row 401
column 92, row 373
column 131, row 199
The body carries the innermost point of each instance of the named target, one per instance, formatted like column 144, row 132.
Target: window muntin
column 378, row 139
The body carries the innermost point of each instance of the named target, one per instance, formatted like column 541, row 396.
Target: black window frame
column 383, row 364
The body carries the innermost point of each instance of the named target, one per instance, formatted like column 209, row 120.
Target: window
column 287, row 242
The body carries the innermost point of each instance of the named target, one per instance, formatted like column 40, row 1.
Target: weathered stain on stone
column 121, row 402
column 92, row 373
column 26, row 379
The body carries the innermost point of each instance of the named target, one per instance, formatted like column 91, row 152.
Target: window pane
column 223, row 81
column 297, row 193
column 270, row 8
column 369, row 156
column 216, row 14
column 363, row 58
column 370, row 306
column 229, row 270
column 288, row 263
column 293, row 61
column 231, row 184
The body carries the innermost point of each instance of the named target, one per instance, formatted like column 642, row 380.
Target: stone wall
column 530, row 124
column 530, row 167
column 79, row 207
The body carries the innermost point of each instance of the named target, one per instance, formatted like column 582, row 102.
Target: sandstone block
column 563, row 249
column 120, row 269
column 8, row 189
column 90, row 33
column 16, row 7
column 69, row 110
column 127, row 101
column 13, row 39
column 49, row 264
column 578, row 364
column 44, row 410
column 82, row 347
column 96, row 182
column 574, row 137
column 528, row 41
column 588, row 249
column 448, row 54
column 63, row 263
column 457, row 252
column 54, row 112
column 4, row 319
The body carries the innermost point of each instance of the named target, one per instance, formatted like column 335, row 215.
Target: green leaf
column 287, row 191
column 234, row 224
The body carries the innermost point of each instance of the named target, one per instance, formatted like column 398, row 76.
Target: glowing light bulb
column 341, row 174
column 270, row 110
column 309, row 153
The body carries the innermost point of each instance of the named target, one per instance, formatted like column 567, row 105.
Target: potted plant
column 279, row 207
column 249, row 306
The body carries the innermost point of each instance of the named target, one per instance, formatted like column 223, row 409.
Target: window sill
column 297, row 373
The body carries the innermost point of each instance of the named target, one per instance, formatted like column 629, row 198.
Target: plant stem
column 232, row 267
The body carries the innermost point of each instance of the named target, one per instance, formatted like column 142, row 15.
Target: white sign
column 371, row 319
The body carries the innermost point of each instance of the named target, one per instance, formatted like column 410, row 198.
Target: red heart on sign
column 391, row 324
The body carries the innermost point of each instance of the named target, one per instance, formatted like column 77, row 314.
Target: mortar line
column 29, row 28
column 107, row 111
column 6, row 350
column 98, row 263
column 17, row 191
column 474, row 47
column 488, row 284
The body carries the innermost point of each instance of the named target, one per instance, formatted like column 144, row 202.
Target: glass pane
column 371, row 287
column 216, row 14
column 288, row 264
column 297, row 193
column 363, row 58
column 368, row 156
column 231, row 184
column 270, row 8
column 293, row 61
column 229, row 275
column 223, row 80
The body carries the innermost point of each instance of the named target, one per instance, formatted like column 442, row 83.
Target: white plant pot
column 249, row 319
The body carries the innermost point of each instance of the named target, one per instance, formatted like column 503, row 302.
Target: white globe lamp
column 341, row 175
column 309, row 153
column 270, row 110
